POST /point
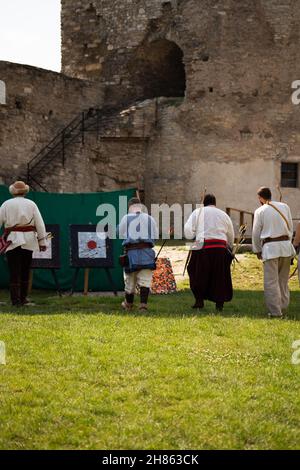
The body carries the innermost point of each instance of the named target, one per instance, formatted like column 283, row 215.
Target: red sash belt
column 25, row 228
column 214, row 243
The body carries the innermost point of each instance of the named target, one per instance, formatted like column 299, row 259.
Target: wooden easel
column 86, row 280
column 55, row 278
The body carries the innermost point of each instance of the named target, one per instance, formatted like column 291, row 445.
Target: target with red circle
column 90, row 248
column 91, row 245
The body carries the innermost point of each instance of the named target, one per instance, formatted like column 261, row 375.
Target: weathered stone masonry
column 38, row 104
column 224, row 68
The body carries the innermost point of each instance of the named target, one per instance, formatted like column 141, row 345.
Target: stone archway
column 158, row 70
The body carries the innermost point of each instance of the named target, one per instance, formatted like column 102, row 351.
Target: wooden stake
column 86, row 281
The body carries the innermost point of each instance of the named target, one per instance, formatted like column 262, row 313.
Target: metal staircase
column 92, row 120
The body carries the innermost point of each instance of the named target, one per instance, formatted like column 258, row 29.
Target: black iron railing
column 91, row 120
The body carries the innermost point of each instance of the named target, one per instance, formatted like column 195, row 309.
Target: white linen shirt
column 268, row 223
column 208, row 223
column 21, row 211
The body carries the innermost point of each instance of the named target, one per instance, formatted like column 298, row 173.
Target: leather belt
column 282, row 238
column 138, row 246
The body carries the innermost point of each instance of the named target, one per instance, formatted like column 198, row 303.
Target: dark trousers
column 19, row 262
column 210, row 275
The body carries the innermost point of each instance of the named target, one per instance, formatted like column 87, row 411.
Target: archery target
column 44, row 254
column 91, row 245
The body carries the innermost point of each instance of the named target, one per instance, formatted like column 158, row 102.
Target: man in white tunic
column 25, row 231
column 271, row 239
column 209, row 266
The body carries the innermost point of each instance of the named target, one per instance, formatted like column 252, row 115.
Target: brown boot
column 127, row 306
column 143, row 308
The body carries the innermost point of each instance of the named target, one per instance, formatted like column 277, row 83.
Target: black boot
column 24, row 292
column 129, row 298
column 15, row 294
column 144, row 293
column 198, row 304
column 128, row 302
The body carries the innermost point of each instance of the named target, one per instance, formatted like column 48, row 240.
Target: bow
column 239, row 242
column 294, row 272
column 165, row 241
column 280, row 193
column 297, row 267
column 197, row 222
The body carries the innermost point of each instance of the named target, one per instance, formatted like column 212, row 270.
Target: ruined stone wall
column 112, row 157
column 233, row 162
column 109, row 40
column 236, row 122
column 226, row 68
column 38, row 105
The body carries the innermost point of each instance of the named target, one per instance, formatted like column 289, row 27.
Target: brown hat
column 19, row 188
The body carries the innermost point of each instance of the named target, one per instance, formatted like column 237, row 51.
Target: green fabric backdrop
column 64, row 210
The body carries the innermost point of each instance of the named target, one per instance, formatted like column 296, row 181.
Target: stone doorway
column 159, row 70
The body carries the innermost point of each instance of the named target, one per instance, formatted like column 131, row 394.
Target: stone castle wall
column 111, row 159
column 38, row 105
column 226, row 122
column 236, row 122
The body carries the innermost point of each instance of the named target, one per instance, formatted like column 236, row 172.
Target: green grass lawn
column 81, row 374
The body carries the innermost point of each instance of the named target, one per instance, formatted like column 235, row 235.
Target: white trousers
column 276, row 284
column 142, row 278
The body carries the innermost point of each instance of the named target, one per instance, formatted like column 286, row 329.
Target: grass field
column 81, row 374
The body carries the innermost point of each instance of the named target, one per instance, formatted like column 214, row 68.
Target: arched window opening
column 159, row 70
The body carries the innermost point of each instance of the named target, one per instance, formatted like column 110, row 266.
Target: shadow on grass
column 246, row 303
